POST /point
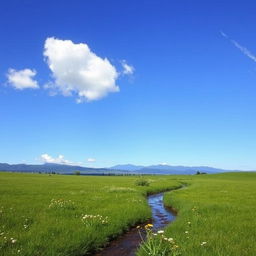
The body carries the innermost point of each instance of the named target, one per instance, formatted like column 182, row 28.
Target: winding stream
column 127, row 244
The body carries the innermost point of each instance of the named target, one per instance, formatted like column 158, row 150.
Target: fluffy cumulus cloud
column 22, row 79
column 58, row 160
column 127, row 69
column 75, row 71
column 78, row 71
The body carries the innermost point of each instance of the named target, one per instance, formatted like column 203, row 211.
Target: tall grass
column 75, row 215
column 57, row 215
column 216, row 216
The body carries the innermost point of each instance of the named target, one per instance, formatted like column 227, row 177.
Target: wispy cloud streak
column 243, row 49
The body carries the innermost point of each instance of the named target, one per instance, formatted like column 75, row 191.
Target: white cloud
column 163, row 163
column 78, row 71
column 91, row 160
column 243, row 49
column 127, row 69
column 58, row 160
column 22, row 79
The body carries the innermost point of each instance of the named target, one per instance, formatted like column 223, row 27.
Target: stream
column 128, row 243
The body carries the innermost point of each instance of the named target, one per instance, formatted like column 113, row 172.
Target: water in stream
column 127, row 244
column 161, row 215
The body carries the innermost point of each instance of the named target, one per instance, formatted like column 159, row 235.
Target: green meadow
column 76, row 215
column 69, row 215
column 216, row 216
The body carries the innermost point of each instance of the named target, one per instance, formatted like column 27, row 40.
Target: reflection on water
column 161, row 215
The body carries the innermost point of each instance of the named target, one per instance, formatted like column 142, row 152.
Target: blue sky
column 186, row 97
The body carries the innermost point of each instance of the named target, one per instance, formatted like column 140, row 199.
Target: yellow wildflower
column 148, row 226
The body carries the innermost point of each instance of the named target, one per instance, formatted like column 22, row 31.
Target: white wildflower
column 13, row 240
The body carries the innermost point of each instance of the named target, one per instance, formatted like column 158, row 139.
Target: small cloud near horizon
column 45, row 158
column 91, row 160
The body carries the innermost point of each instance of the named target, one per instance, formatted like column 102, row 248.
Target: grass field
column 46, row 215
column 216, row 215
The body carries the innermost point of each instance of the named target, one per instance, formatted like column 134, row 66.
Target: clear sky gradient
column 191, row 99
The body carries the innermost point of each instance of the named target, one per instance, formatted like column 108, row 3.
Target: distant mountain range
column 127, row 167
column 48, row 167
column 169, row 169
column 117, row 169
